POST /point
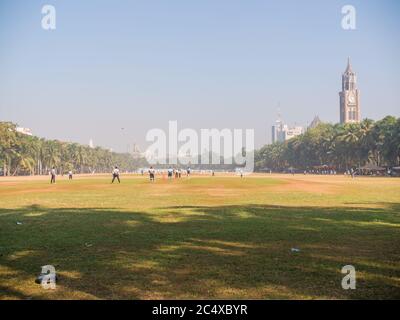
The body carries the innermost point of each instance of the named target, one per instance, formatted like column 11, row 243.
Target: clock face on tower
column 351, row 99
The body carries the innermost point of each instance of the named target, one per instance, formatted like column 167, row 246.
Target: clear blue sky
column 206, row 63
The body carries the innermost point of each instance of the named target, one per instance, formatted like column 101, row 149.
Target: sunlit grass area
column 203, row 237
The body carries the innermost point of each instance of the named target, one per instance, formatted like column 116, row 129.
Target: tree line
column 340, row 146
column 22, row 154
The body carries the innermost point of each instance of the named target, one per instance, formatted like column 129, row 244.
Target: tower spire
column 348, row 69
column 279, row 112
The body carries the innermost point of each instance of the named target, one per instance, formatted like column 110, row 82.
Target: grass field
column 203, row 237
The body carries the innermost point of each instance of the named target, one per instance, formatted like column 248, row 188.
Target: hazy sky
column 206, row 63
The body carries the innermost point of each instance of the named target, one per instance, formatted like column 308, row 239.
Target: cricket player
column 152, row 173
column 53, row 175
column 170, row 172
column 115, row 174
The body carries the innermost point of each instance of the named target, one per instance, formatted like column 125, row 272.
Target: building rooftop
column 316, row 121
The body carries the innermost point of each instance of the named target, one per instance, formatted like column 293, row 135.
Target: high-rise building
column 277, row 130
column 136, row 153
column 282, row 132
column 349, row 97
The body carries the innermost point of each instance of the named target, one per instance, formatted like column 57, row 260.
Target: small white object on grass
column 295, row 250
column 19, row 223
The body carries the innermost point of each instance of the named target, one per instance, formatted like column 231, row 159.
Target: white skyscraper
column 282, row 132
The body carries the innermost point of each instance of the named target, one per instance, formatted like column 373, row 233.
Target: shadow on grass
column 201, row 252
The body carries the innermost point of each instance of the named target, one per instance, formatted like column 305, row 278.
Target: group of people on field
column 116, row 174
column 152, row 174
column 53, row 174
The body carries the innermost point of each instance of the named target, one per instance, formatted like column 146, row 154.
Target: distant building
column 282, row 132
column 136, row 153
column 292, row 132
column 277, row 130
column 349, row 97
column 25, row 131
column 315, row 123
column 91, row 145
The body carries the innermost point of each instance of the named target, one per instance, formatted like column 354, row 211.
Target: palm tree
column 8, row 142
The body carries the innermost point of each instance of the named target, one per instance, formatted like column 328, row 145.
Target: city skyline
column 134, row 66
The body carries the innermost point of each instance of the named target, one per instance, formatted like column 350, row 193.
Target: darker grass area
column 215, row 252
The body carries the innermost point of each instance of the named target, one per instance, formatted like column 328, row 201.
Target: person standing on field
column 115, row 174
column 53, row 175
column 170, row 172
column 70, row 175
column 151, row 173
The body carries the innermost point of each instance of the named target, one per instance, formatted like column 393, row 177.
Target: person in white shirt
column 115, row 174
column 152, row 173
column 53, row 175
column 70, row 175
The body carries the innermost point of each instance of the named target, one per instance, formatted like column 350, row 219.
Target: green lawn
column 203, row 237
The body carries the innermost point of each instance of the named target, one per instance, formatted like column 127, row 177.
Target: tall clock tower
column 349, row 97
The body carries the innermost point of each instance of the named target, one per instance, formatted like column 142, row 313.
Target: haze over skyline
column 223, row 64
